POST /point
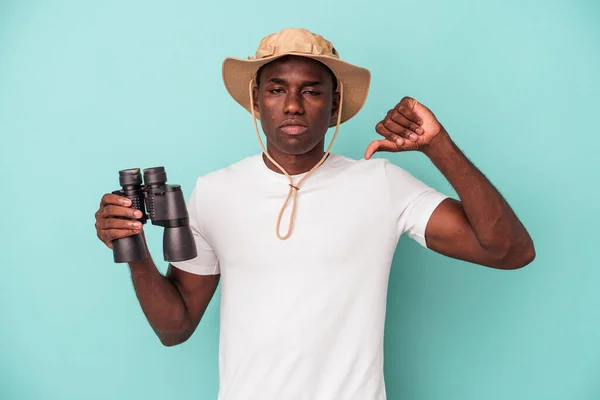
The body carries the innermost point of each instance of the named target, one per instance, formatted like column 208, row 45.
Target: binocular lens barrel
column 130, row 177
column 178, row 244
column 129, row 249
column 165, row 206
column 155, row 176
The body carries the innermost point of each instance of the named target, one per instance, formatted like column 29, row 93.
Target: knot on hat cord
column 294, row 188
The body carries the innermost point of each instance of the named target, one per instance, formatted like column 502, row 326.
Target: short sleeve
column 412, row 202
column 206, row 263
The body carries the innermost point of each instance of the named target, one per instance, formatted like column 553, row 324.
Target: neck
column 294, row 164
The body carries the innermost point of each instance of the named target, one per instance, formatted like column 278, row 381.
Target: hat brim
column 238, row 72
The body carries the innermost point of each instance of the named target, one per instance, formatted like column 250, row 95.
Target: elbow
column 177, row 335
column 516, row 257
column 173, row 337
column 520, row 260
column 172, row 340
column 529, row 256
column 169, row 341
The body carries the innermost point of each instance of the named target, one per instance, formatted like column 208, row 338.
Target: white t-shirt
column 303, row 318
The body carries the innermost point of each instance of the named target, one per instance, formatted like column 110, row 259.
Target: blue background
column 89, row 88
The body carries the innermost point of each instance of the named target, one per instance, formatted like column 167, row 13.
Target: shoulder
column 214, row 184
column 240, row 170
column 375, row 167
column 383, row 174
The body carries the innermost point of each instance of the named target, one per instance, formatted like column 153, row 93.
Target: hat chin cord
column 294, row 188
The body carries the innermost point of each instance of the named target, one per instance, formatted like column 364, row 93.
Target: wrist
column 439, row 146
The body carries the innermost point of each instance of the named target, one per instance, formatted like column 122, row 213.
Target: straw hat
column 238, row 72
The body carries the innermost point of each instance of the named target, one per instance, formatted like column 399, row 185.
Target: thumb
column 380, row 145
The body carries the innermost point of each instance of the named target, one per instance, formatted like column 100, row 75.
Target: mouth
column 293, row 127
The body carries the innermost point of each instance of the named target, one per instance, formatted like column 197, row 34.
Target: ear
column 335, row 105
column 255, row 98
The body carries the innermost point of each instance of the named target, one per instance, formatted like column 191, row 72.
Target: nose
column 293, row 103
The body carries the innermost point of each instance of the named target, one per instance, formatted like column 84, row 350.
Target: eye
column 312, row 92
column 276, row 90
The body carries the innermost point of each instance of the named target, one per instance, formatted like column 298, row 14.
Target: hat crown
column 295, row 40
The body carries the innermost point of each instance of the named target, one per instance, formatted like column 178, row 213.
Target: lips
column 293, row 127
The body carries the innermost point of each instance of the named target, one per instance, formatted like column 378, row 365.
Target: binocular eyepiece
column 165, row 206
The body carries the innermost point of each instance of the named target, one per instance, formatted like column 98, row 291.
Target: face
column 295, row 100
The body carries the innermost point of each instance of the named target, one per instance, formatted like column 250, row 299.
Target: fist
column 115, row 219
column 408, row 126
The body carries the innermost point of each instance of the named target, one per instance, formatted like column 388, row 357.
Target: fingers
column 119, row 211
column 396, row 136
column 109, row 229
column 114, row 223
column 404, row 128
column 406, row 107
column 383, row 130
column 399, row 130
column 379, row 145
column 110, row 198
column 114, row 219
column 401, row 120
column 108, row 235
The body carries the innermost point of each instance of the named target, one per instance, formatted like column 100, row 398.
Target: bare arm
column 173, row 304
column 481, row 227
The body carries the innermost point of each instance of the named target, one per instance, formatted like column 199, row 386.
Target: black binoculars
column 165, row 206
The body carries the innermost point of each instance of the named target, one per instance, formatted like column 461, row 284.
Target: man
column 304, row 289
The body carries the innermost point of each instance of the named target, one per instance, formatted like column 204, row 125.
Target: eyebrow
column 281, row 81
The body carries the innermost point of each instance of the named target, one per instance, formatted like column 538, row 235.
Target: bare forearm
column 494, row 223
column 161, row 302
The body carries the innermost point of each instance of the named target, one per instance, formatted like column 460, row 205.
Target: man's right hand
column 108, row 226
